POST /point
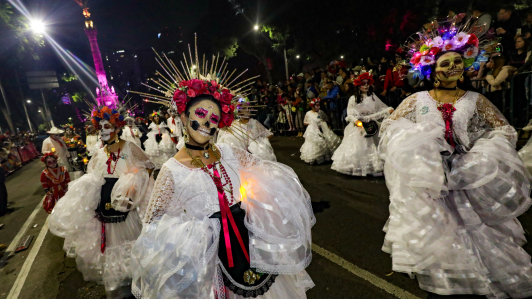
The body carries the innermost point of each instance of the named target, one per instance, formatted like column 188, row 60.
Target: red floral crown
column 362, row 77
column 111, row 115
column 314, row 102
column 43, row 159
column 199, row 79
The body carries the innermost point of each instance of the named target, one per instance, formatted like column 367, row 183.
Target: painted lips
column 204, row 132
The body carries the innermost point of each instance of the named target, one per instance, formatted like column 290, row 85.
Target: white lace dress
column 252, row 137
column 358, row 155
column 131, row 134
column 91, row 142
column 453, row 210
column 73, row 218
column 159, row 152
column 320, row 141
column 176, row 256
column 175, row 126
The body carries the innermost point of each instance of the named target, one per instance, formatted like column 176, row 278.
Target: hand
column 393, row 88
column 500, row 31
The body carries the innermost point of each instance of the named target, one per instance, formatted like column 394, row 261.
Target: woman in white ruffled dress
column 130, row 132
column 221, row 222
column 100, row 215
column 456, row 188
column 159, row 145
column 358, row 155
column 249, row 135
column 320, row 141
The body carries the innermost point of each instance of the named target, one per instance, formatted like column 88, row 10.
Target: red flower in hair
column 434, row 51
column 213, row 89
column 183, row 84
column 227, row 118
column 191, row 93
column 473, row 40
column 213, row 83
column 226, row 97
column 197, row 85
column 180, row 99
column 216, row 95
column 416, row 59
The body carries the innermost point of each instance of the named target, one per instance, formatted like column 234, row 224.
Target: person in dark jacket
column 506, row 27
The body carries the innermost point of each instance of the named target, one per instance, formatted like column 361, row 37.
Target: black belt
column 105, row 212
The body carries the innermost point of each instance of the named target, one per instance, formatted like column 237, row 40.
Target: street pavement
column 347, row 258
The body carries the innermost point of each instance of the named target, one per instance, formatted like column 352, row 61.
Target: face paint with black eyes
column 202, row 124
column 449, row 67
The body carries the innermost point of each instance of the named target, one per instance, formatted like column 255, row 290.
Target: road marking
column 26, row 267
column 371, row 278
column 23, row 230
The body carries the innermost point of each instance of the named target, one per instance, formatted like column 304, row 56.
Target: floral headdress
column 447, row 36
column 43, row 158
column 364, row 76
column 198, row 78
column 314, row 102
column 111, row 115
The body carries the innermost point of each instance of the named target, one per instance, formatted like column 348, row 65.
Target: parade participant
column 130, row 132
column 320, row 141
column 247, row 133
column 54, row 143
column 221, row 223
column 75, row 147
column 358, row 155
column 456, row 182
column 92, row 139
column 100, row 215
column 175, row 125
column 54, row 180
column 159, row 146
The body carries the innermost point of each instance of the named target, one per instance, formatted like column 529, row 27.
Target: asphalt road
column 347, row 261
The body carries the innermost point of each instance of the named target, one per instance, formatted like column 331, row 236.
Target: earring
column 185, row 134
column 436, row 83
column 461, row 78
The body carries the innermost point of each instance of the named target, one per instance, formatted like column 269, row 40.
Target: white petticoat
column 177, row 257
column 73, row 219
column 526, row 155
column 453, row 222
column 357, row 155
column 159, row 152
column 318, row 146
column 262, row 148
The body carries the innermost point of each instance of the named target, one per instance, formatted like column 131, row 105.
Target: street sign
column 42, row 79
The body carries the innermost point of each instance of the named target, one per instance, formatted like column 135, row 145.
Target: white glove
column 351, row 119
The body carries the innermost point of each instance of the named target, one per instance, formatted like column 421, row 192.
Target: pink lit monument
column 104, row 95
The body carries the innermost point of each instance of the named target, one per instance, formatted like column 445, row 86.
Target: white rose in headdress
column 460, row 39
column 448, row 45
column 427, row 60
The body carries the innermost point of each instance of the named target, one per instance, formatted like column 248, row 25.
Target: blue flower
column 107, row 116
column 121, row 118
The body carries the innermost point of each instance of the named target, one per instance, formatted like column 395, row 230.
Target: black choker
column 448, row 88
column 111, row 143
column 199, row 148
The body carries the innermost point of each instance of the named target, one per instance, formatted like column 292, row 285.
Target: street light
column 37, row 26
column 39, row 111
column 256, row 27
column 297, row 57
column 341, row 57
column 28, row 101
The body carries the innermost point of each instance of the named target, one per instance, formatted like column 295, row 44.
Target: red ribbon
column 173, row 121
column 103, row 238
column 447, row 111
column 114, row 158
column 132, row 134
column 226, row 213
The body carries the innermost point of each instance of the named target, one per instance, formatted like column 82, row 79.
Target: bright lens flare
column 37, row 26
column 359, row 124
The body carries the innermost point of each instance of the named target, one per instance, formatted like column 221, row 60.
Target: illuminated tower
column 104, row 95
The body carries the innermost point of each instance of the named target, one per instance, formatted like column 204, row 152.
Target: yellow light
column 242, row 191
column 85, row 160
column 359, row 123
column 53, row 149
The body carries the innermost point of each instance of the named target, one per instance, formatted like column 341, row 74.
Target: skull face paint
column 202, row 123
column 364, row 87
column 316, row 107
column 108, row 131
column 51, row 162
column 69, row 131
column 130, row 122
column 449, row 67
column 156, row 119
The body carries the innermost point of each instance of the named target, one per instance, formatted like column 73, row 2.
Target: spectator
column 527, row 27
column 333, row 92
column 483, row 18
column 298, row 114
column 393, row 82
column 497, row 75
column 311, row 92
column 342, row 76
column 517, row 57
column 506, row 26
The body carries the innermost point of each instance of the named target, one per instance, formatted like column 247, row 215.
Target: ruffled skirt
column 262, row 148
column 526, row 155
column 315, row 149
column 357, row 155
column 453, row 217
column 73, row 219
column 160, row 152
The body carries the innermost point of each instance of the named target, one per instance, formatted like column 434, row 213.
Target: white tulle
column 73, row 219
column 358, row 155
column 453, row 214
column 319, row 145
column 176, row 255
column 252, row 137
column 132, row 134
column 162, row 151
column 91, row 142
column 526, row 155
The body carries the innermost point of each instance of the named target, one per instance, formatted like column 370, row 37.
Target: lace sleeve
column 243, row 158
column 306, row 121
column 161, row 196
column 140, row 157
column 407, row 110
column 351, row 110
column 261, row 130
column 494, row 119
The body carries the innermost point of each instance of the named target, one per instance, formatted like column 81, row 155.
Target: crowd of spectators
column 283, row 105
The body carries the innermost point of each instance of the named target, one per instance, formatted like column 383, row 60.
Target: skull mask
column 203, row 120
column 51, row 162
column 69, row 131
column 107, row 131
column 449, row 67
column 130, row 122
